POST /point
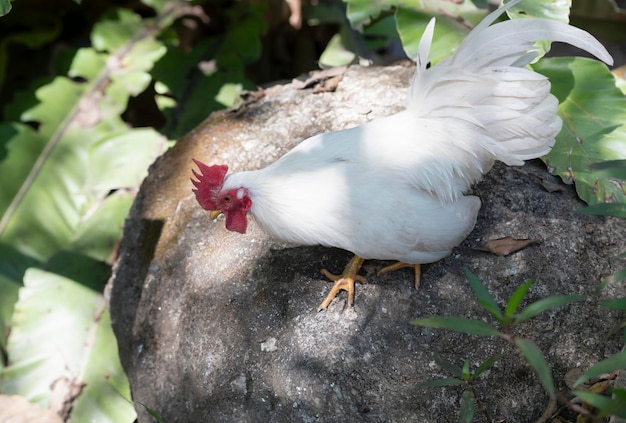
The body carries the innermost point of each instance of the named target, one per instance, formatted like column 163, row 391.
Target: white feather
column 393, row 188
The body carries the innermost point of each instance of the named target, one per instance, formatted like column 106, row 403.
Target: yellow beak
column 213, row 214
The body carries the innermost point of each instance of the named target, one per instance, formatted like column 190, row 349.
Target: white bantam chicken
column 393, row 189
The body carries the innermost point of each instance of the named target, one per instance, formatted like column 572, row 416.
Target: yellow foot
column 400, row 265
column 344, row 282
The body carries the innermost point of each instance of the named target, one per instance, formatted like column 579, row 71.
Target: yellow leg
column 400, row 265
column 344, row 282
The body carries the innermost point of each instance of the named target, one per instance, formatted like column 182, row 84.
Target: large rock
column 217, row 326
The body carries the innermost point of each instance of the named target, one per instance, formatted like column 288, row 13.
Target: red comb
column 208, row 184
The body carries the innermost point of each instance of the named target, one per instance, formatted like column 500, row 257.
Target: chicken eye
column 227, row 199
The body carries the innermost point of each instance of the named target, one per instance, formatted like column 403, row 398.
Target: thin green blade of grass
column 544, row 304
column 598, row 401
column 467, row 407
column 486, row 365
column 152, row 413
column 615, row 304
column 466, row 371
column 447, row 365
column 617, row 406
column 517, row 297
column 620, row 275
column 619, row 394
column 458, row 324
column 614, row 362
column 537, row 362
column 484, row 297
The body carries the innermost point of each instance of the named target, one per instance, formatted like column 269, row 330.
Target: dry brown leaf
column 507, row 245
column 16, row 409
column 572, row 376
column 64, row 392
column 319, row 79
column 600, row 387
column 328, row 86
column 550, row 186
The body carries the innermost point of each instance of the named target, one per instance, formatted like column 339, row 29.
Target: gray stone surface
column 217, row 326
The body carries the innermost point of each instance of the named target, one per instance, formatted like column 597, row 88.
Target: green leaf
column 69, row 165
column 484, row 297
column 338, row 52
column 557, row 10
column 453, row 22
column 248, row 23
column 468, row 404
column 614, row 362
column 593, row 110
column 190, row 84
column 106, row 395
column 466, row 13
column 449, row 381
column 116, row 30
column 617, row 406
column 411, row 25
column 13, row 264
column 620, row 275
column 361, row 12
column 615, row 172
column 617, row 304
column 544, row 304
column 61, row 332
column 620, row 394
column 347, row 46
column 5, row 7
column 381, row 34
column 466, row 371
column 178, row 76
column 8, row 296
column 100, row 230
column 458, row 324
column 597, row 401
column 153, row 413
column 486, row 365
column 132, row 151
column 229, row 94
column 517, row 297
column 611, row 169
column 135, row 50
column 157, row 5
column 537, row 362
column 63, row 192
column 70, row 180
column 447, row 365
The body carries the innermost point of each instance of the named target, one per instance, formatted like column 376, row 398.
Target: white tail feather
column 486, row 88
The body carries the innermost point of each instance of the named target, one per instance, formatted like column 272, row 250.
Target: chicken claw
column 344, row 282
column 399, row 265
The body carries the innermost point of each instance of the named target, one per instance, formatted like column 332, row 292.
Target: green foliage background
column 93, row 93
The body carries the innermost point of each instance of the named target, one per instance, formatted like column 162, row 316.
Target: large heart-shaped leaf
column 454, row 21
column 556, row 9
column 593, row 110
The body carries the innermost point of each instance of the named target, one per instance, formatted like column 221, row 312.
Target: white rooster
column 393, row 189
